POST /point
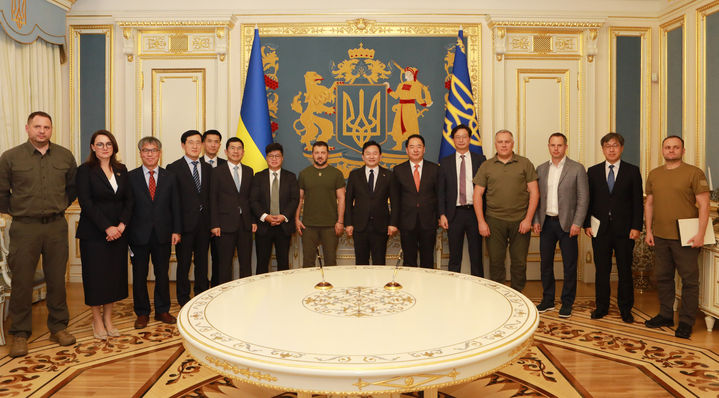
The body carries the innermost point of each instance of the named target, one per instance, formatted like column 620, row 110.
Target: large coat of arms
column 357, row 107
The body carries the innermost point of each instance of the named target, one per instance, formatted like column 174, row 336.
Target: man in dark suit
column 274, row 197
column 456, row 209
column 414, row 191
column 616, row 201
column 193, row 180
column 154, row 227
column 366, row 210
column 211, row 140
column 231, row 219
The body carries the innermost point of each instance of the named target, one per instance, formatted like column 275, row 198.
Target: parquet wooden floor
column 578, row 357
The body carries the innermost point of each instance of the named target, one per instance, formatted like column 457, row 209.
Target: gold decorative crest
column 19, row 12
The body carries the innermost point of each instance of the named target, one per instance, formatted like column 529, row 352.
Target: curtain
column 30, row 80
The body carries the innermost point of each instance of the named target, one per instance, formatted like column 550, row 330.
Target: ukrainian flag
column 460, row 104
column 254, row 127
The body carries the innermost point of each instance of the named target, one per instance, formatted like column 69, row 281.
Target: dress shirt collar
column 207, row 160
column 560, row 164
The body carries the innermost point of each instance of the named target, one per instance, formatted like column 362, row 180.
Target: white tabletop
column 277, row 330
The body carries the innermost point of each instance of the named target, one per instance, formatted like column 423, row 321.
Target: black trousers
column 263, row 245
column 160, row 253
column 195, row 245
column 227, row 243
column 465, row 223
column 418, row 240
column 551, row 234
column 370, row 242
column 623, row 249
column 215, row 262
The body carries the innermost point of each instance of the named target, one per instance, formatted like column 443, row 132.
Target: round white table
column 277, row 330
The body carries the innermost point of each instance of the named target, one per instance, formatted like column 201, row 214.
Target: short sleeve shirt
column 320, row 195
column 674, row 192
column 506, row 186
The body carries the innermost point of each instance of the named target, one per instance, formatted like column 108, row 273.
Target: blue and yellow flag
column 460, row 104
column 254, row 127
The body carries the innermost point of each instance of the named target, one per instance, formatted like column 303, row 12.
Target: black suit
column 213, row 239
column 230, row 211
column 104, row 264
column 267, row 234
column 150, row 234
column 461, row 219
column 415, row 212
column 195, row 227
column 618, row 212
column 368, row 213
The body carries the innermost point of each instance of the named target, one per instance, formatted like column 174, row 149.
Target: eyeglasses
column 612, row 146
column 103, row 145
column 274, row 156
column 148, row 150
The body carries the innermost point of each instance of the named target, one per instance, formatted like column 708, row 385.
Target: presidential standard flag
column 254, row 127
column 460, row 104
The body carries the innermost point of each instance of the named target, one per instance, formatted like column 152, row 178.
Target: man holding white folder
column 676, row 191
column 614, row 221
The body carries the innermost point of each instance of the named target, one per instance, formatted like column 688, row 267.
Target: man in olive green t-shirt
column 674, row 191
column 322, row 192
column 510, row 182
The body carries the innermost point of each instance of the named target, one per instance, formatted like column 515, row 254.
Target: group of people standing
column 203, row 203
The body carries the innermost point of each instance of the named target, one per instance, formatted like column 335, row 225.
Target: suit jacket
column 195, row 205
column 572, row 194
column 161, row 215
column 220, row 161
column 447, row 184
column 229, row 209
column 363, row 206
column 407, row 203
column 101, row 207
column 626, row 202
column 289, row 199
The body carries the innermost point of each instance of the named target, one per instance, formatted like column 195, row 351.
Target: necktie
column 212, row 162
column 416, row 176
column 610, row 178
column 370, row 181
column 275, row 195
column 462, row 183
column 152, row 185
column 236, row 177
column 196, row 175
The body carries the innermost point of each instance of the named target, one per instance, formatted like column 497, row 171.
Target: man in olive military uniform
column 37, row 184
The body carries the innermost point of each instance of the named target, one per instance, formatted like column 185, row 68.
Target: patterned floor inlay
column 156, row 354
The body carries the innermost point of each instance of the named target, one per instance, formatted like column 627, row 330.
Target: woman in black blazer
column 106, row 202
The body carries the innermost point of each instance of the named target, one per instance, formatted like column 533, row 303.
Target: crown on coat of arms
column 360, row 52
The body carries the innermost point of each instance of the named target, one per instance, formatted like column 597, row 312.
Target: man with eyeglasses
column 274, row 197
column 616, row 204
column 154, row 227
column 193, row 181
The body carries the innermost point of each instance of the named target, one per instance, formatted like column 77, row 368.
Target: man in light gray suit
column 563, row 202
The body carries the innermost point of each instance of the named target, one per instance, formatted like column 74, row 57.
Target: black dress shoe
column 599, row 314
column 627, row 316
column 658, row 321
column 684, row 330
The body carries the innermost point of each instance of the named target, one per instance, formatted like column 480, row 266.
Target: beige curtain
column 30, row 80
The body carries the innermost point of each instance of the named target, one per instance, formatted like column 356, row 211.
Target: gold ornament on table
column 322, row 285
column 393, row 284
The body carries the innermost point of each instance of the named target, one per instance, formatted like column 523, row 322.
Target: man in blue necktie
column 616, row 206
column 193, row 178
